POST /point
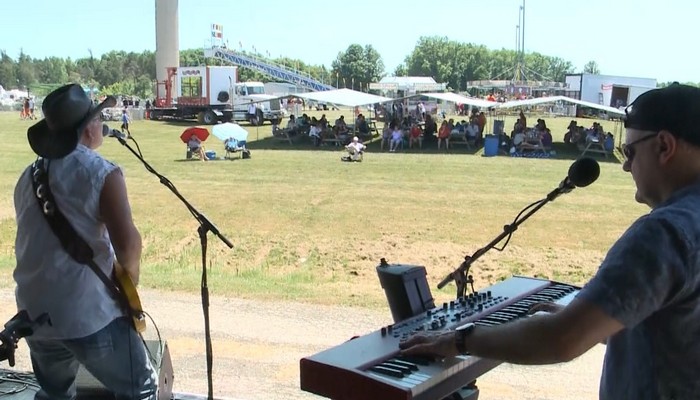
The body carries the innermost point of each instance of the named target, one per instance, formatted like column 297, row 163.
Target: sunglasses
column 628, row 149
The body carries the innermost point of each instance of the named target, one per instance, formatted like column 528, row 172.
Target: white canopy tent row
column 460, row 99
column 344, row 97
column 351, row 98
column 339, row 97
column 474, row 102
column 611, row 111
column 489, row 105
column 553, row 99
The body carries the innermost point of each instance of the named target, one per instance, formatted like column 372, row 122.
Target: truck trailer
column 607, row 90
column 211, row 94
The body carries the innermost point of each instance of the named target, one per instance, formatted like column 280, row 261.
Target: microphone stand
column 16, row 328
column 460, row 275
column 205, row 226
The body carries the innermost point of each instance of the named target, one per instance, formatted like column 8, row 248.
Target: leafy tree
column 8, row 77
column 357, row 67
column 51, row 69
column 665, row 84
column 24, row 70
column 192, row 58
column 121, row 72
column 559, row 68
column 591, row 67
column 457, row 63
column 401, row 70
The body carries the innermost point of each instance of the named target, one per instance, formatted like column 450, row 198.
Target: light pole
column 522, row 37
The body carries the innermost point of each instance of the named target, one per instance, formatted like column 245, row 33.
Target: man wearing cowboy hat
column 87, row 324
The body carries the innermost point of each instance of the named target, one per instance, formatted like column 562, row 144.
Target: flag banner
column 217, row 31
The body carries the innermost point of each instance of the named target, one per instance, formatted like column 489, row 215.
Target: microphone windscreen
column 105, row 130
column 584, row 171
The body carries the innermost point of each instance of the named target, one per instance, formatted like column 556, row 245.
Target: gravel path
column 257, row 347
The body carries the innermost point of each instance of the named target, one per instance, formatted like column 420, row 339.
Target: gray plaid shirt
column 650, row 282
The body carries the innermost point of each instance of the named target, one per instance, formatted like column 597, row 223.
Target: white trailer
column 608, row 90
column 209, row 94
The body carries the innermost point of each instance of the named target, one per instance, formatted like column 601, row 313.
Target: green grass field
column 308, row 227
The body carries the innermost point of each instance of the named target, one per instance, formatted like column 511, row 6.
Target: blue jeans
column 115, row 355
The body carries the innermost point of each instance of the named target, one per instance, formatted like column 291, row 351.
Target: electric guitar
column 130, row 297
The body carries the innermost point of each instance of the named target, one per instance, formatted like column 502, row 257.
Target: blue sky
column 642, row 38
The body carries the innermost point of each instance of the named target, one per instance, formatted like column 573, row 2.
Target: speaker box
column 90, row 388
column 406, row 288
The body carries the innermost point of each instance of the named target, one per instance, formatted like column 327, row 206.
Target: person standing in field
column 125, row 122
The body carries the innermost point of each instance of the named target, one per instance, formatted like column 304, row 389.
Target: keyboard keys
column 384, row 370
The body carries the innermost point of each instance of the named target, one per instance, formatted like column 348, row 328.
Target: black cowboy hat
column 67, row 111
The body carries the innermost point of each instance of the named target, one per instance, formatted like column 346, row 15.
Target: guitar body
column 131, row 298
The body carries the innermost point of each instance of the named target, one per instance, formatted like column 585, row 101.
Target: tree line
column 132, row 73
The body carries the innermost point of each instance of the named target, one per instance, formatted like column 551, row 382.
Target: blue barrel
column 491, row 145
column 609, row 143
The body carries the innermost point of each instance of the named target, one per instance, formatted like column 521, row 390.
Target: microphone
column 582, row 173
column 107, row 131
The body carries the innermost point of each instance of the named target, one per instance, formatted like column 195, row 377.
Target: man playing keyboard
column 644, row 300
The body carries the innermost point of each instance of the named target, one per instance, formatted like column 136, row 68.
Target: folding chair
column 233, row 146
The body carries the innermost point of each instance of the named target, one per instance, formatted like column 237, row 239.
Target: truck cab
column 269, row 108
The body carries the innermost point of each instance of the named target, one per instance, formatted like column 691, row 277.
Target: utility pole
column 522, row 41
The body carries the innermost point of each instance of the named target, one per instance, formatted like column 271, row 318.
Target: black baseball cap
column 675, row 108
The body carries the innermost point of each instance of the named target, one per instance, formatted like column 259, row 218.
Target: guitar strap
column 76, row 247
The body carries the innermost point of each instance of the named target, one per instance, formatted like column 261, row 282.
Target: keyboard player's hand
column 545, row 307
column 441, row 345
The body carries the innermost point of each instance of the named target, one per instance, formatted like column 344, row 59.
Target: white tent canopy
column 344, row 97
column 459, row 99
column 553, row 99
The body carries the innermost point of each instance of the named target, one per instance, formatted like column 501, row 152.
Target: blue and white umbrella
column 228, row 131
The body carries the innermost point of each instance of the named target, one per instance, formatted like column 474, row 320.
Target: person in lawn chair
column 355, row 150
column 195, row 147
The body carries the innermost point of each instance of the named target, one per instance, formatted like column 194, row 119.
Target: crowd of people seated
column 472, row 131
column 581, row 136
column 416, row 129
column 320, row 131
column 522, row 138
